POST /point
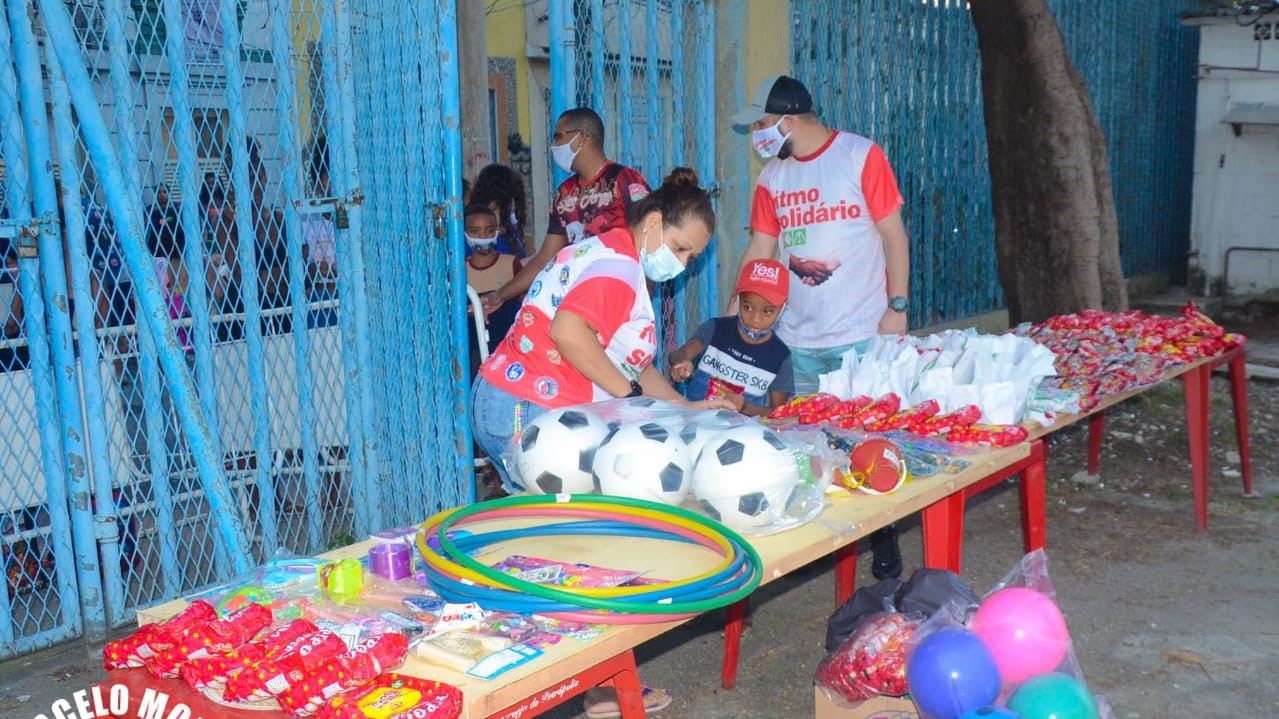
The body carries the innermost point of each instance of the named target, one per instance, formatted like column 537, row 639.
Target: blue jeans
column 809, row 364
column 497, row 417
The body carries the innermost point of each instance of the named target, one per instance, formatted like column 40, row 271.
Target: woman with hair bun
column 586, row 330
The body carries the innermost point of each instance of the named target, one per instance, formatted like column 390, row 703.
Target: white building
column 1234, row 234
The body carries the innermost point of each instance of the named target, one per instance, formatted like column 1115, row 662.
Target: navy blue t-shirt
column 730, row 362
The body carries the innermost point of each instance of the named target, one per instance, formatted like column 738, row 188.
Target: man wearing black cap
column 828, row 205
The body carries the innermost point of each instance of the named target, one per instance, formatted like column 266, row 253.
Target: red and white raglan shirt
column 599, row 279
column 587, row 208
column 824, row 207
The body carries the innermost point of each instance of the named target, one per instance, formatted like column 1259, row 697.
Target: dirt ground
column 1168, row 623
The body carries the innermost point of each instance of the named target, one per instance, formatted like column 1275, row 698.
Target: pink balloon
column 1025, row 631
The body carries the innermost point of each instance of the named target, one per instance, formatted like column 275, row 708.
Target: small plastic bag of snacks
column 219, row 636
column 212, row 671
column 872, row 662
column 343, row 673
column 275, row 674
column 152, row 639
column 396, row 696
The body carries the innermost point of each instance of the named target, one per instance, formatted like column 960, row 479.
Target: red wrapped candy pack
column 153, row 639
column 297, row 660
column 213, row 638
column 344, row 673
column 906, row 419
column 881, row 408
column 805, row 404
column 213, row 671
column 943, row 423
column 991, row 435
column 871, row 662
column 396, row 696
column 837, row 411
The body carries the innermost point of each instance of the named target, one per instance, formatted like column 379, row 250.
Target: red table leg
column 630, row 693
column 732, row 643
column 943, row 527
column 618, row 672
column 1196, row 386
column 1034, row 498
column 1096, row 425
column 845, row 573
column 1239, row 393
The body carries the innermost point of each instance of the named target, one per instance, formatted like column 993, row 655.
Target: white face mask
column 479, row 243
column 660, row 265
column 563, row 155
column 769, row 140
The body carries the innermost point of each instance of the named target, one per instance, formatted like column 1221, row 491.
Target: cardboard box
column 877, row 708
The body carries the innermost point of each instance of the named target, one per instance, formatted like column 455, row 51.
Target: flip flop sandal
column 601, row 702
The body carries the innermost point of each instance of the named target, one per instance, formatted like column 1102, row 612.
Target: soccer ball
column 744, row 477
column 554, row 453
column 643, row 460
column 706, row 425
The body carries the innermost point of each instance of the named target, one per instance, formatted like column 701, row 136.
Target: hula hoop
column 673, row 597
column 588, row 509
column 703, row 589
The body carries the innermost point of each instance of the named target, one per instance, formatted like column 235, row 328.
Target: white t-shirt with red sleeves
column 823, row 208
column 600, row 280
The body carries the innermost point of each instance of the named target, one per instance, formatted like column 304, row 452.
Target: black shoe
column 887, row 555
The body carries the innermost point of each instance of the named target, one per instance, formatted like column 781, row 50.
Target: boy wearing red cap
column 739, row 357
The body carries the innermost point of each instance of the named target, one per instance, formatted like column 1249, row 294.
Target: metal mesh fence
column 924, row 107
column 647, row 68
column 416, row 367
column 220, row 116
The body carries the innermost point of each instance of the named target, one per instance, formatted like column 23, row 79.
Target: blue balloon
column 989, row 712
column 952, row 673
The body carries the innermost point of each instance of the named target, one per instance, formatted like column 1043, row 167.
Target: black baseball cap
column 776, row 95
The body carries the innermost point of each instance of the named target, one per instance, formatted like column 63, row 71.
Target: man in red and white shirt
column 593, row 200
column 828, row 205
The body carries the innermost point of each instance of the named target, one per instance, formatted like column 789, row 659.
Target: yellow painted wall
column 506, row 38
column 767, row 45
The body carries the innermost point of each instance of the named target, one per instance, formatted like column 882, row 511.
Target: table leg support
column 845, row 573
column 732, row 643
column 1034, row 498
column 1096, row 426
column 1238, row 374
column 1196, row 387
column 943, row 527
column 619, row 672
column 630, row 692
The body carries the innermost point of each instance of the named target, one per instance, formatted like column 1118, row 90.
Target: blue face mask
column 751, row 334
column 661, row 265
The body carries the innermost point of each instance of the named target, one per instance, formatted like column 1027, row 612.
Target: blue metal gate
column 190, row 378
column 647, row 67
column 908, row 75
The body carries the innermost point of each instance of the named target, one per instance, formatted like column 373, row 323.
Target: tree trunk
column 1056, row 234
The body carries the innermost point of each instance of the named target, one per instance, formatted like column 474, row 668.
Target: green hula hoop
column 542, row 591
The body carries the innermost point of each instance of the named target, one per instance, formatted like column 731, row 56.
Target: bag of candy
column 343, row 673
column 152, row 639
column 396, row 696
column 212, row 671
column 219, row 636
column 272, row 676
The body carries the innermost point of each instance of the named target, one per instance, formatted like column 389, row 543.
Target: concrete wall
column 1236, row 166
column 754, row 43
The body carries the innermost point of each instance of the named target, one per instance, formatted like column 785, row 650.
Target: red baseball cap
column 767, row 278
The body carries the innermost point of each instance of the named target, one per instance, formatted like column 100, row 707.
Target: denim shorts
column 497, row 417
column 809, row 364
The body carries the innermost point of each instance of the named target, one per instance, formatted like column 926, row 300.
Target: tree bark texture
column 1056, row 233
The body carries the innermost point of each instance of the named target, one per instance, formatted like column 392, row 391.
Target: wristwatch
column 636, row 389
column 898, row 304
